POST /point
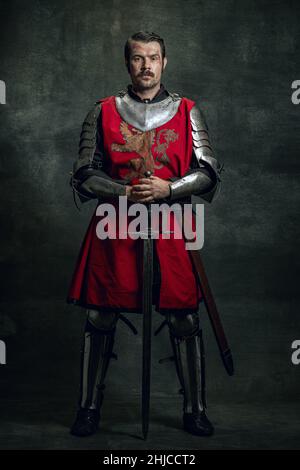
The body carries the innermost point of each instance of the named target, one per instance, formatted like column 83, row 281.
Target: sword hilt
column 147, row 174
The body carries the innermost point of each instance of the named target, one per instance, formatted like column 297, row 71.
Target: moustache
column 149, row 74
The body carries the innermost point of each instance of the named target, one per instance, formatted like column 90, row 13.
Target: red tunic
column 108, row 273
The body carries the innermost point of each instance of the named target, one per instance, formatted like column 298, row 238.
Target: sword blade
column 147, row 325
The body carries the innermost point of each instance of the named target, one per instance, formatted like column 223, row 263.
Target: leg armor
column 188, row 349
column 96, row 353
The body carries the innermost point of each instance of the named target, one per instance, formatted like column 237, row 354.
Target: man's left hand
column 149, row 189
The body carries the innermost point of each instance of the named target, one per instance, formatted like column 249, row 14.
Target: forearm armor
column 203, row 178
column 89, row 179
column 103, row 187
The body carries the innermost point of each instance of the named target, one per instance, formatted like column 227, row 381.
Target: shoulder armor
column 88, row 138
column 202, row 149
column 197, row 119
column 201, row 142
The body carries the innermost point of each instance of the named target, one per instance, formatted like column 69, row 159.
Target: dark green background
column 238, row 60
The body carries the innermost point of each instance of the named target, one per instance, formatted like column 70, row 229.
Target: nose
column 146, row 63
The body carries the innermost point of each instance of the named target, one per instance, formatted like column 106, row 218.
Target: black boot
column 86, row 422
column 95, row 357
column 197, row 423
column 188, row 349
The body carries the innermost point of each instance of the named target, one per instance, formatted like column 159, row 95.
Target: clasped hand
column 148, row 190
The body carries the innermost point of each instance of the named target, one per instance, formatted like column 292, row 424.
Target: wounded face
column 146, row 64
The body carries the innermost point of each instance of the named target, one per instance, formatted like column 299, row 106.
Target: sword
column 147, row 320
column 213, row 313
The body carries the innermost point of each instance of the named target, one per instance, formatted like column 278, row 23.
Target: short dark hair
column 144, row 36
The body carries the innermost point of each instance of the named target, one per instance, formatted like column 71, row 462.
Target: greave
column 96, row 354
column 189, row 359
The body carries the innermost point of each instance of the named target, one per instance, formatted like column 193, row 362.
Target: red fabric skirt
column 108, row 274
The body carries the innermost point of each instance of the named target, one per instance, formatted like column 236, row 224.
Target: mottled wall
column 238, row 59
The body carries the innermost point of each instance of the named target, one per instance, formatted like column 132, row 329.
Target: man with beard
column 144, row 130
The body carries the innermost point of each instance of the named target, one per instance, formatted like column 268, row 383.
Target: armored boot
column 96, row 353
column 188, row 349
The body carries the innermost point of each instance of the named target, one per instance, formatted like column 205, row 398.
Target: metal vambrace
column 96, row 354
column 187, row 344
column 102, row 187
column 194, row 183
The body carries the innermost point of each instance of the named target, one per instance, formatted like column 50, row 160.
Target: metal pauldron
column 88, row 179
column 88, row 139
column 204, row 179
column 203, row 151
